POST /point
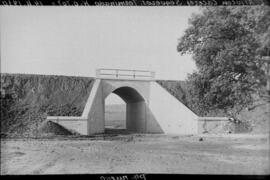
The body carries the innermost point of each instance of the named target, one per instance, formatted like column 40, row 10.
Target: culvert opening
column 115, row 115
column 124, row 112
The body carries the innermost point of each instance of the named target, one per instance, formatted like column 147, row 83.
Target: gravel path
column 137, row 153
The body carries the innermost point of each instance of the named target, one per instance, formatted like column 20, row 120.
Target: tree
column 230, row 46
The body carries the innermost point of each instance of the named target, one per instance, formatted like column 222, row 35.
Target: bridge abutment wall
column 149, row 108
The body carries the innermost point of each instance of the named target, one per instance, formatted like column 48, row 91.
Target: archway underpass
column 128, row 115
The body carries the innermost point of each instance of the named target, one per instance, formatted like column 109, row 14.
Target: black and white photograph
column 125, row 89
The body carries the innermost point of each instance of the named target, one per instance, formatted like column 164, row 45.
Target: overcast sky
column 77, row 40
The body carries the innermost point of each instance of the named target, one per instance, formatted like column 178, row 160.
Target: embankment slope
column 26, row 100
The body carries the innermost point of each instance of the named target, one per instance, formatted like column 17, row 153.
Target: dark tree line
column 231, row 49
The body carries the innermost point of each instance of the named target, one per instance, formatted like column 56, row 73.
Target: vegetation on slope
column 178, row 89
column 254, row 118
column 26, row 100
column 230, row 46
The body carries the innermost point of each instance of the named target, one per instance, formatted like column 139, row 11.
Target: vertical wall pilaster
column 136, row 116
column 94, row 110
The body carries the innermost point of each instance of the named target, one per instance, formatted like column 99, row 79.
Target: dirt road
column 136, row 153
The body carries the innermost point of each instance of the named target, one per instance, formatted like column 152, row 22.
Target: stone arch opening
column 135, row 110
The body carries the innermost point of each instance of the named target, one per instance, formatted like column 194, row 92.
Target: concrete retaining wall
column 213, row 125
column 76, row 124
column 172, row 116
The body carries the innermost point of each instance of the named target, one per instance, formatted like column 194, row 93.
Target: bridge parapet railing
column 125, row 74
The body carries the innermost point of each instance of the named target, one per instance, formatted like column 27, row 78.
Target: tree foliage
column 230, row 46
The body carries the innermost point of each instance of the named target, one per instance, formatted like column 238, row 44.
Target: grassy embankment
column 26, row 100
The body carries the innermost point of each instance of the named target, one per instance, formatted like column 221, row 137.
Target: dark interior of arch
column 129, row 95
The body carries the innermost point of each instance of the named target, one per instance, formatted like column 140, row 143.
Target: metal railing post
column 152, row 74
column 134, row 73
column 97, row 72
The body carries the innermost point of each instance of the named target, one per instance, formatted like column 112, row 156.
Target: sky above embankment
column 77, row 40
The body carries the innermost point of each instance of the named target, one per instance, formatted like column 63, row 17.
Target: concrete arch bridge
column 149, row 107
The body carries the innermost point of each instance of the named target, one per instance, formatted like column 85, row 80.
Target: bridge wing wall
column 172, row 116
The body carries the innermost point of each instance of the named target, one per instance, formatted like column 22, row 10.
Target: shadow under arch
column 128, row 94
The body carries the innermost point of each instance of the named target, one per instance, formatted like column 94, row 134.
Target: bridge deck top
column 125, row 74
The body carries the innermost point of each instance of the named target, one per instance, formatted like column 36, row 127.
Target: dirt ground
column 137, row 153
